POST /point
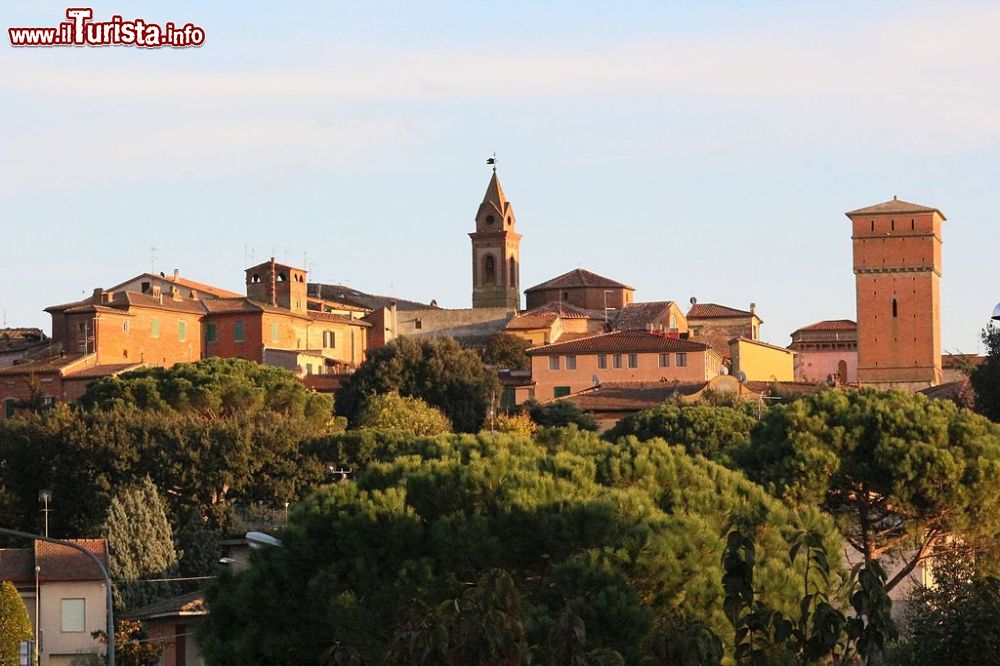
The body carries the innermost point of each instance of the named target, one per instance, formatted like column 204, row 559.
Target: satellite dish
column 260, row 540
column 693, row 300
column 742, row 377
column 596, row 380
column 723, row 371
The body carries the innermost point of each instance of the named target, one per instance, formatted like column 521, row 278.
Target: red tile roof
column 98, row 371
column 640, row 316
column 621, row 341
column 716, row 311
column 831, row 325
column 51, row 365
column 17, row 565
column 200, row 287
column 192, row 603
column 957, row 360
column 15, row 339
column 62, row 563
column 337, row 318
column 544, row 315
column 630, row 396
column 579, row 277
column 894, row 206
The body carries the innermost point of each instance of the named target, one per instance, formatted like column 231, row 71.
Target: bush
column 391, row 411
column 559, row 414
column 519, row 423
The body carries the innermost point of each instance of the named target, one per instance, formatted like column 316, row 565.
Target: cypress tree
column 140, row 545
column 14, row 624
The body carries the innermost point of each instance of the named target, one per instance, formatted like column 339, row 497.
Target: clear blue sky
column 688, row 149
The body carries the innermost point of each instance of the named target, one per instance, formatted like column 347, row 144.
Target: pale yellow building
column 761, row 362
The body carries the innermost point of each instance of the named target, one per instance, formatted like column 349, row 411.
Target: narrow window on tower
column 895, row 308
column 490, row 270
column 892, row 225
column 873, row 225
column 913, row 225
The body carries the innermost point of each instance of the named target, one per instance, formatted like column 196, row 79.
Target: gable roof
column 894, row 205
column 200, row 287
column 62, row 563
column 620, row 342
column 716, row 311
column 576, row 278
column 640, row 316
column 334, row 318
column 544, row 315
column 192, row 603
column 16, row 339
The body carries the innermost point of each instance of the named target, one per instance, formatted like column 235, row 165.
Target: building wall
column 57, row 646
column 700, row 367
column 226, row 345
column 719, row 331
column 817, row 365
column 349, row 342
column 762, row 362
column 589, row 298
column 897, row 260
column 461, row 324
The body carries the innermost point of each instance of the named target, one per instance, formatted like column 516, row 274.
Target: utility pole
column 45, row 496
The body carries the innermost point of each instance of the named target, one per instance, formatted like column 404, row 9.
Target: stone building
column 496, row 258
column 583, row 289
column 897, row 268
column 716, row 324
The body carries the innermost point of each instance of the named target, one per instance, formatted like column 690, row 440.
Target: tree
column 198, row 545
column 615, row 534
column 15, row 628
column 507, row 351
column 898, row 471
column 214, row 387
column 714, row 432
column 140, row 545
column 986, row 378
column 438, row 371
column 519, row 423
column 131, row 646
column 957, row 620
column 560, row 413
column 391, row 411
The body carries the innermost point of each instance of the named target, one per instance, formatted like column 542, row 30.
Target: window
column 329, row 340
column 617, row 361
column 571, row 362
column 155, row 328
column 490, row 219
column 602, row 361
column 682, row 359
column 633, row 360
column 211, row 334
column 145, row 287
column 74, row 615
column 489, row 270
column 664, row 360
column 561, row 391
column 9, row 407
column 895, row 308
column 512, row 274
column 182, row 329
column 892, row 225
column 275, row 332
column 553, row 362
column 418, row 324
column 125, row 326
column 239, row 332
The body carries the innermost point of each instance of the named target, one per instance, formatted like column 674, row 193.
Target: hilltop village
column 591, row 339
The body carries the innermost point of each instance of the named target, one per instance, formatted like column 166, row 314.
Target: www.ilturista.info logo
column 80, row 30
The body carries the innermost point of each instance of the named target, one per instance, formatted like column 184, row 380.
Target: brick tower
column 277, row 284
column 897, row 267
column 496, row 259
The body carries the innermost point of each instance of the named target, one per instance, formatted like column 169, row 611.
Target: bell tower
column 897, row 268
column 496, row 258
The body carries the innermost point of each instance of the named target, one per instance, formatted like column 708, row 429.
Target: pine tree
column 140, row 545
column 14, row 624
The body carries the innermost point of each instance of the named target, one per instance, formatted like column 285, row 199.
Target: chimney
column 98, row 295
column 177, row 274
column 753, row 308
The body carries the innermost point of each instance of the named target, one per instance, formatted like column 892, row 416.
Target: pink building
column 827, row 350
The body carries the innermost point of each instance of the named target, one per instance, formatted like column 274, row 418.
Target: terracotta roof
column 42, row 366
column 894, row 205
column 579, row 277
column 716, row 311
column 165, row 302
column 337, row 318
column 831, row 325
column 640, row 316
column 620, row 341
column 794, row 388
column 98, row 371
column 344, row 294
column 17, row 565
column 200, row 287
column 67, row 306
column 544, row 315
column 956, row 360
column 192, row 603
column 959, row 392
column 244, row 304
column 333, row 304
column 62, row 563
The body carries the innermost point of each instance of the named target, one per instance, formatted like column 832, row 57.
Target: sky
column 688, row 149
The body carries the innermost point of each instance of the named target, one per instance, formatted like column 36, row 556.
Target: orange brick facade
column 897, row 265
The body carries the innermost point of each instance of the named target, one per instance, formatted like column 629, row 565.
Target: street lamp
column 996, row 313
column 45, row 496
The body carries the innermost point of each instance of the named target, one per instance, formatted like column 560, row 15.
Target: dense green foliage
column 559, row 414
column 899, row 472
column 391, row 411
column 15, row 627
column 957, row 621
column 214, row 386
column 140, row 545
column 986, row 378
column 438, row 371
column 132, row 647
column 616, row 535
column 714, row 432
column 203, row 460
column 507, row 351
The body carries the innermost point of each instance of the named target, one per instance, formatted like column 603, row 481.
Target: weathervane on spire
column 492, row 161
